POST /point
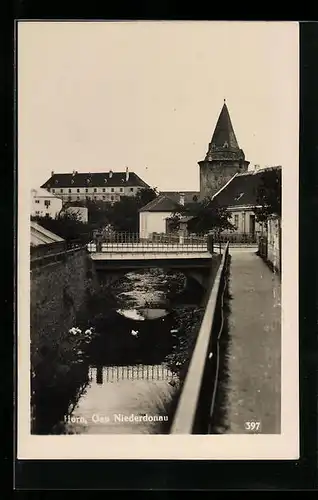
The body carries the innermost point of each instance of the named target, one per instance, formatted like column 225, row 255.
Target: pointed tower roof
column 224, row 143
column 224, row 132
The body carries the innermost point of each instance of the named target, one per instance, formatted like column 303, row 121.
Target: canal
column 129, row 370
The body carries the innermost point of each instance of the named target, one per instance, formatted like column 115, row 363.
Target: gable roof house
column 239, row 196
column 154, row 217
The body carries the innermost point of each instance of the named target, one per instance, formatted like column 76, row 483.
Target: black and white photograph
column 157, row 239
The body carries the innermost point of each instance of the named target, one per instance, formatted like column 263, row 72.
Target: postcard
column 157, row 293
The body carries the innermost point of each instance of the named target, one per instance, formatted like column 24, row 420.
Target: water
column 130, row 382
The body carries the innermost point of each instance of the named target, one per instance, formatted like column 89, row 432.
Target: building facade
column 223, row 159
column 99, row 186
column 44, row 203
column 154, row 217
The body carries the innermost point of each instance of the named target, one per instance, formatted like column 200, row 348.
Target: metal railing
column 236, row 238
column 196, row 402
column 53, row 252
column 126, row 242
column 102, row 374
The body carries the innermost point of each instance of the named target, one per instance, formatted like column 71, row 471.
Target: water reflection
column 125, row 400
column 143, row 314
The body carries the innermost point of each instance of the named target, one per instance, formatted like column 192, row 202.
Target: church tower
column 223, row 159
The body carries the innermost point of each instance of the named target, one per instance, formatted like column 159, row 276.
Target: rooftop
column 42, row 193
column 167, row 201
column 241, row 189
column 41, row 236
column 94, row 179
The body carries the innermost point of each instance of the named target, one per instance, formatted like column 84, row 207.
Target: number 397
column 252, row 426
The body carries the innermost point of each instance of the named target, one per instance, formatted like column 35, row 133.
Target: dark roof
column 224, row 132
column 94, row 179
column 167, row 201
column 160, row 204
column 175, row 195
column 224, row 141
column 241, row 190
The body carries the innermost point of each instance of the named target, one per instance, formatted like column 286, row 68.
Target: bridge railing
column 196, row 401
column 53, row 252
column 156, row 243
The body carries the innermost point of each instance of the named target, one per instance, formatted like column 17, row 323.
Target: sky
column 100, row 96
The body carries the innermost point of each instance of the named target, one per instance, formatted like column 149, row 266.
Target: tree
column 66, row 225
column 206, row 215
column 268, row 198
column 124, row 214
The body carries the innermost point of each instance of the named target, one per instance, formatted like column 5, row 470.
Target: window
column 37, row 212
column 77, row 190
column 37, row 201
column 95, row 190
column 95, row 197
column 78, row 198
column 236, row 221
column 61, row 190
column 69, row 190
column 112, row 198
column 47, row 203
column 70, row 198
column 104, row 197
column 121, row 190
column 87, row 197
column 86, row 190
column 112, row 190
column 48, row 189
column 131, row 189
column 53, row 190
column 104, row 190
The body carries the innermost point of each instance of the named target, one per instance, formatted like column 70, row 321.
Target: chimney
column 52, row 173
column 127, row 174
column 74, row 172
column 110, row 174
column 181, row 199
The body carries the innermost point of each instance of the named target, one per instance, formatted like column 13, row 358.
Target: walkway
column 254, row 353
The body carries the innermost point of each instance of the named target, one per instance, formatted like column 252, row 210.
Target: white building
column 97, row 186
column 154, row 217
column 45, row 203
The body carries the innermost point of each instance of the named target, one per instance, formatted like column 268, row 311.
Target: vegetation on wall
column 269, row 195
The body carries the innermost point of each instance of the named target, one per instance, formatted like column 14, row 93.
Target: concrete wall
column 59, row 292
column 273, row 242
column 152, row 222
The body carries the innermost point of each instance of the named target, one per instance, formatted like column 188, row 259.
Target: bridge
column 194, row 257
